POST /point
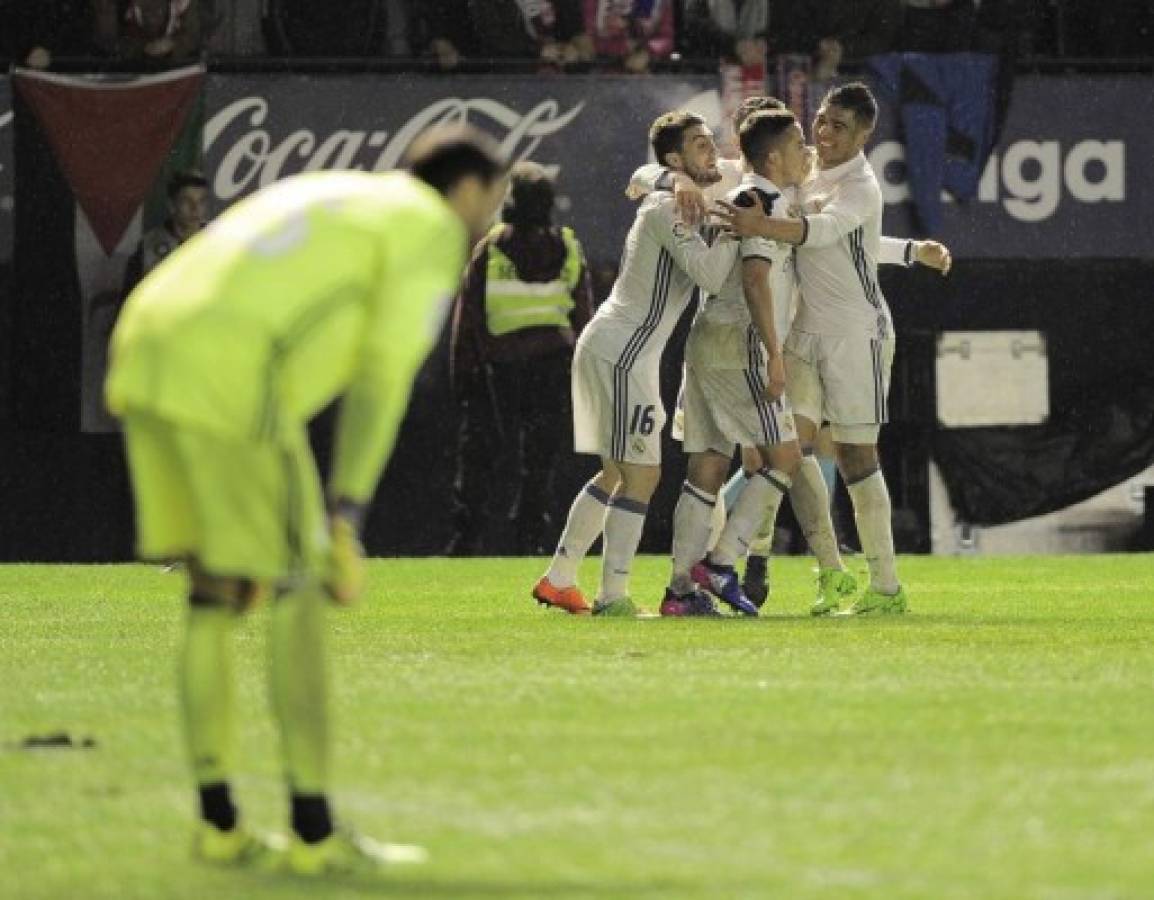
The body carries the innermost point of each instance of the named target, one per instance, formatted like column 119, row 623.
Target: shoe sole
column 882, row 609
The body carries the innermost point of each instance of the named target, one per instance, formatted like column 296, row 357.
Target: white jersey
column 654, row 177
column 664, row 260
column 723, row 335
column 838, row 258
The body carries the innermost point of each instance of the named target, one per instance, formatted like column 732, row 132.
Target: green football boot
column 237, row 847
column 621, row 607
column 833, row 586
column 875, row 603
column 348, row 853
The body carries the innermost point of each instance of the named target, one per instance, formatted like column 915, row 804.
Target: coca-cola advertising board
column 591, row 131
column 1059, row 185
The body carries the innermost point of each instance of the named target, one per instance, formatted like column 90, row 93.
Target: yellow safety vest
column 512, row 304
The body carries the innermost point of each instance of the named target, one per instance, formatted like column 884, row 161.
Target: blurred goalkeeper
column 324, row 285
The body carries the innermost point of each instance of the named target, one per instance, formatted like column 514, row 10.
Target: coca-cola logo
column 250, row 158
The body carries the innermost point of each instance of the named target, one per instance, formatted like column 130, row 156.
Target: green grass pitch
column 998, row 742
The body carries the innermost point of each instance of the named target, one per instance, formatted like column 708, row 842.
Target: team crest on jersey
column 639, row 445
column 680, row 230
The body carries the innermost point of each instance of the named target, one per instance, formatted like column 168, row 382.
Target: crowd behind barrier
column 632, row 36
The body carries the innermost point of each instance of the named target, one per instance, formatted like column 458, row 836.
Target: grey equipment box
column 987, row 378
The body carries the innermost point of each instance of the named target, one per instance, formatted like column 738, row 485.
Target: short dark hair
column 530, row 200
column 858, row 99
column 750, row 105
column 668, row 131
column 185, row 178
column 762, row 131
column 444, row 154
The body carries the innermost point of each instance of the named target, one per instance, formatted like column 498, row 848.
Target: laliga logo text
column 253, row 160
column 1029, row 176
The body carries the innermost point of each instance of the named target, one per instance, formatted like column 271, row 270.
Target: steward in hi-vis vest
column 525, row 298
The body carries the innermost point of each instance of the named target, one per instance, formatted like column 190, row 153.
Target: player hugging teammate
column 748, row 354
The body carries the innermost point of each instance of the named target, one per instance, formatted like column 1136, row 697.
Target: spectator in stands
column 442, row 29
column 1014, row 27
column 834, row 30
column 187, row 214
column 732, row 29
column 45, row 29
column 1119, row 28
column 552, row 31
column 237, row 28
column 938, row 26
column 525, row 298
column 160, row 32
column 634, row 32
column 361, row 28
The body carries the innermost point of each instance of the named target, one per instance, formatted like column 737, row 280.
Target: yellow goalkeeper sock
column 299, row 687
column 207, row 692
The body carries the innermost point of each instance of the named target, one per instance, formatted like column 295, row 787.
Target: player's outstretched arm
column 708, row 266
column 906, row 252
column 753, row 222
column 934, row 255
column 851, row 207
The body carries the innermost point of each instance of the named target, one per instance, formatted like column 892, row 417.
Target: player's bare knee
column 639, row 482
column 609, row 478
column 806, row 433
column 857, row 461
column 785, row 458
column 706, row 471
column 751, row 460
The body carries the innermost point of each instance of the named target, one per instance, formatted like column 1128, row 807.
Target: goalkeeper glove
column 345, row 578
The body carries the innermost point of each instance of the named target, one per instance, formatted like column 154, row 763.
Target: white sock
column 871, row 510
column 717, row 520
column 810, row 498
column 623, row 525
column 692, row 523
column 586, row 519
column 748, row 514
column 762, row 543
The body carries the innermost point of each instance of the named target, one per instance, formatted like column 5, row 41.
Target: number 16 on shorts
column 642, row 420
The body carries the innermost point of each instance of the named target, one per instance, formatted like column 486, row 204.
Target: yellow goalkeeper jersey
column 321, row 285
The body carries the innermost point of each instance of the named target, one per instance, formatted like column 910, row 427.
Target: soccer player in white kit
column 692, row 201
column 841, row 346
column 734, row 393
column 617, row 408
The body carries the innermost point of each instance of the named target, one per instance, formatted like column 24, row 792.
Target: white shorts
column 841, row 380
column 617, row 412
column 724, row 407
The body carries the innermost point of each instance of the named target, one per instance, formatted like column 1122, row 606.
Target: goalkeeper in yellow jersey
column 321, row 286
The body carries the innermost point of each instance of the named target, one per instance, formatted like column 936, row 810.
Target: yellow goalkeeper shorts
column 241, row 509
